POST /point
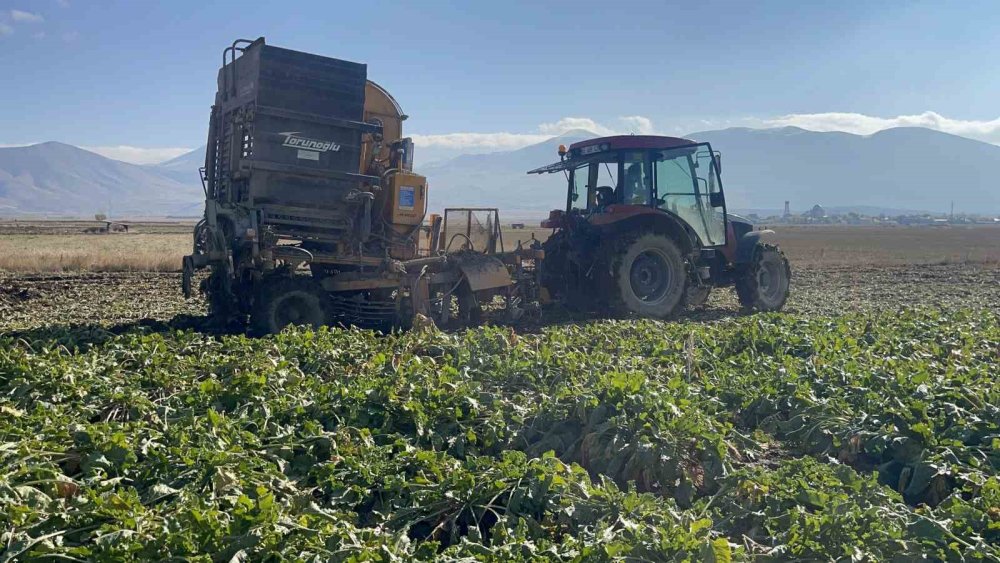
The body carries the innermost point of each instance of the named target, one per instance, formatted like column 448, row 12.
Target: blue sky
column 118, row 74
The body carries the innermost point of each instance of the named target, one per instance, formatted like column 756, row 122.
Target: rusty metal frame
column 495, row 236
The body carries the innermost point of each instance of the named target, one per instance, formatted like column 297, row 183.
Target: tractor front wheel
column 292, row 300
column 697, row 295
column 651, row 276
column 764, row 284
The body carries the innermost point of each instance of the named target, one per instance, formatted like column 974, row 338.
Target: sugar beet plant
column 762, row 438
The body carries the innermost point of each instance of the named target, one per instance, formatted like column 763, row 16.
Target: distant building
column 788, row 210
column 817, row 212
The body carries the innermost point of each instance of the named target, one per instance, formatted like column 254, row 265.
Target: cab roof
column 619, row 142
column 591, row 147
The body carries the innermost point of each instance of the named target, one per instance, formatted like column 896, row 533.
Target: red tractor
column 645, row 230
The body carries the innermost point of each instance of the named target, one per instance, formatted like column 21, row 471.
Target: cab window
column 594, row 185
column 682, row 186
column 582, row 192
column 636, row 179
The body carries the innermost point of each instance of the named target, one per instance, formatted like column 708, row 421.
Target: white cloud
column 5, row 29
column 568, row 124
column 485, row 142
column 638, row 124
column 138, row 155
column 494, row 141
column 26, row 17
column 861, row 124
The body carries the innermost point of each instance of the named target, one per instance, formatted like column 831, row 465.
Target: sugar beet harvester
column 307, row 169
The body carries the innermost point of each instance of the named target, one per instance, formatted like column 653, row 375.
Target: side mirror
column 716, row 199
column 718, row 160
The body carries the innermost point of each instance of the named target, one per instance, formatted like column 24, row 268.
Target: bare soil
column 105, row 279
column 875, row 246
column 63, row 246
column 113, row 298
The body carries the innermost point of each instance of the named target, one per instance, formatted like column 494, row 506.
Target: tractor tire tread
column 746, row 283
column 271, row 291
column 619, row 251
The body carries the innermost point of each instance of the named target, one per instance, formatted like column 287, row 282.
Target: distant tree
column 100, row 217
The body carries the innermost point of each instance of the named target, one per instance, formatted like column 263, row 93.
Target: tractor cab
column 615, row 178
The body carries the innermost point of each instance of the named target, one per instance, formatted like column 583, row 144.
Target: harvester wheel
column 284, row 301
column 187, row 277
column 651, row 276
column 217, row 288
column 764, row 284
column 470, row 312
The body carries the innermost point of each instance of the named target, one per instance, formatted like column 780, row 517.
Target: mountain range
column 183, row 168
column 59, row 179
column 895, row 169
column 899, row 168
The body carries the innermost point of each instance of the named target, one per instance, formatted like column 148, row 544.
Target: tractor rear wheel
column 651, row 276
column 293, row 300
column 764, row 284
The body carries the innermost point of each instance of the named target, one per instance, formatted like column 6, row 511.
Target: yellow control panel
column 407, row 198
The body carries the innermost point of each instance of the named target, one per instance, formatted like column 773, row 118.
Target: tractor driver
column 635, row 190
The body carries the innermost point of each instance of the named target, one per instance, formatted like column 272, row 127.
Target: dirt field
column 145, row 252
column 74, row 246
column 845, row 245
column 113, row 298
column 78, row 226
column 62, row 246
column 122, row 278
